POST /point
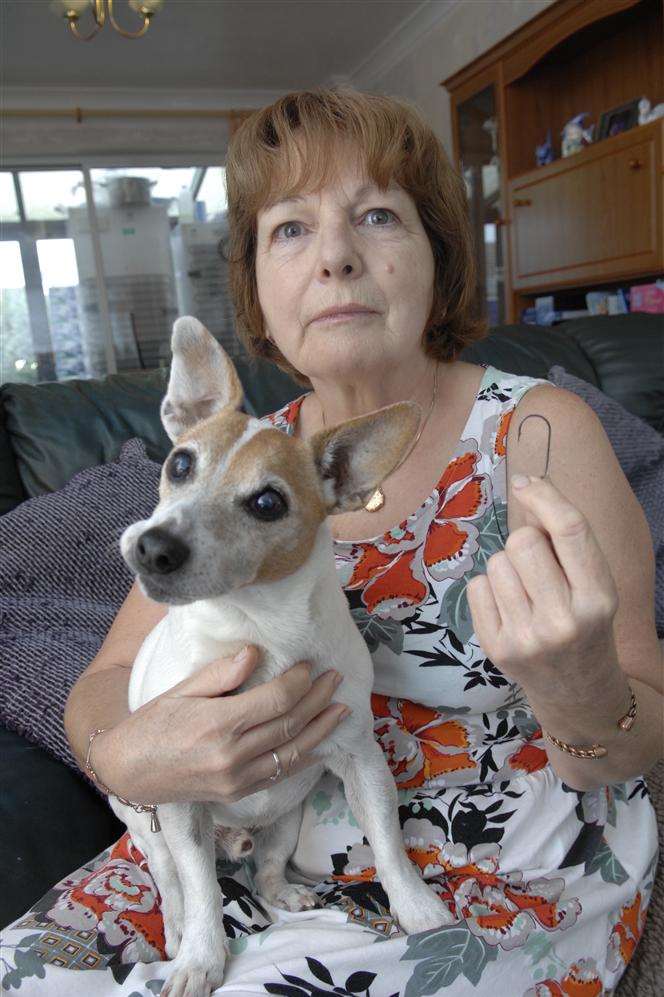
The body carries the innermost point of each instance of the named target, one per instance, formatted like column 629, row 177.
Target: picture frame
column 618, row 119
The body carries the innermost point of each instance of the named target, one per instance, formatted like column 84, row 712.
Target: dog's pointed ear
column 352, row 459
column 202, row 381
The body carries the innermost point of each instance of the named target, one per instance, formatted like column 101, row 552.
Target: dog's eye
column 267, row 505
column 180, row 465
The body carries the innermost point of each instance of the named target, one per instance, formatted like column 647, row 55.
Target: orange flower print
column 502, row 427
column 120, row 901
column 437, row 542
column 529, row 757
column 427, row 748
column 626, row 934
column 285, row 418
column 503, row 910
column 421, row 748
column 581, row 980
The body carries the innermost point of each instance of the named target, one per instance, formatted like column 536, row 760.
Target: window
column 90, row 289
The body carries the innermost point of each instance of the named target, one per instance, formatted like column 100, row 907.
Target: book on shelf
column 544, row 313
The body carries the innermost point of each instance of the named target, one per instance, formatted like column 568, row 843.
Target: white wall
column 468, row 29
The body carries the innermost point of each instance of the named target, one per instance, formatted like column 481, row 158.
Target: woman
column 486, row 647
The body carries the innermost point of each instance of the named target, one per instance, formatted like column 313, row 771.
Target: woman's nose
column 337, row 253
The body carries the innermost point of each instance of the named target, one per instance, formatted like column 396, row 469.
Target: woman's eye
column 267, row 505
column 180, row 465
column 285, row 226
column 379, row 211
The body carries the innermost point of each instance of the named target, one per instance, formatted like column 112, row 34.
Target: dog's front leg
column 162, row 869
column 199, row 965
column 372, row 796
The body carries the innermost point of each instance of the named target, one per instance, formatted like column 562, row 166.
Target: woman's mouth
column 344, row 317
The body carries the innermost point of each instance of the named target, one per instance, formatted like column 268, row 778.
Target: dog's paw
column 194, row 977
column 294, row 897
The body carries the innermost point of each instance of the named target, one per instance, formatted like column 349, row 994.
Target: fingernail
column 344, row 713
column 241, row 655
column 520, row 481
column 337, row 679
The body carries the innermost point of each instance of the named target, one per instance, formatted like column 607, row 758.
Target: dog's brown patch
column 290, row 459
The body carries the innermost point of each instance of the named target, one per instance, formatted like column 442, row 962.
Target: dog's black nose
column 159, row 553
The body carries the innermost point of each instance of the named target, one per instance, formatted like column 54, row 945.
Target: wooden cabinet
column 592, row 218
column 596, row 214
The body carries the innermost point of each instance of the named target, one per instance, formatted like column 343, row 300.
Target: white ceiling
column 237, row 45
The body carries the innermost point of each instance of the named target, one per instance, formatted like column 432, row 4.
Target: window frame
column 24, row 229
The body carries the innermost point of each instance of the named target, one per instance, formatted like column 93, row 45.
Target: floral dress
column 549, row 886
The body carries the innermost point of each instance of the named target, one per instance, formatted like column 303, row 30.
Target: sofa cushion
column 530, row 350
column 62, row 582
column 626, row 353
column 621, row 354
column 58, row 428
column 640, row 452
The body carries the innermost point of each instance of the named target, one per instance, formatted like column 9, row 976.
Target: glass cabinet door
column 480, row 168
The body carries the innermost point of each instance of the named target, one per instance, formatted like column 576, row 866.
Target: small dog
column 239, row 549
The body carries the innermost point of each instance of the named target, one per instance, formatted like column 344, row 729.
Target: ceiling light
column 100, row 10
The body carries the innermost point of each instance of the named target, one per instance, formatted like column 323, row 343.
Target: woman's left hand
column 543, row 611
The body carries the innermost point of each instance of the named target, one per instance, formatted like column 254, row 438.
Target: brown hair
column 264, row 163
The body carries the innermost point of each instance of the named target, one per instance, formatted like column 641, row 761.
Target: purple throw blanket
column 62, row 582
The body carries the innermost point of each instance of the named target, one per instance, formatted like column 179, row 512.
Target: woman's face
column 347, row 243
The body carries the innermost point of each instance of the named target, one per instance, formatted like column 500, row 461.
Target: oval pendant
column 376, row 502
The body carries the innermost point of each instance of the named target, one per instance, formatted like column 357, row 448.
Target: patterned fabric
column 62, row 582
column 549, row 885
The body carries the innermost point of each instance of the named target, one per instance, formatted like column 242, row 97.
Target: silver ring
column 273, row 778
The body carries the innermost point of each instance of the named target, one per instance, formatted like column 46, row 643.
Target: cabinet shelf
column 593, row 217
column 573, row 221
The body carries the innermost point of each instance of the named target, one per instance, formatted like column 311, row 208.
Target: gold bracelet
column 140, row 808
column 596, row 750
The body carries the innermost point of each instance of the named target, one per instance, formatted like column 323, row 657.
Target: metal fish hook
column 533, row 415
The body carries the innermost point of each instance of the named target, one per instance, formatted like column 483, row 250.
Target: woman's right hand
column 196, row 742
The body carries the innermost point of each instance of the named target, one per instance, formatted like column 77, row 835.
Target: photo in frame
column 618, row 119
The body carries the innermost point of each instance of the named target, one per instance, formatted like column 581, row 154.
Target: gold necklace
column 377, row 500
